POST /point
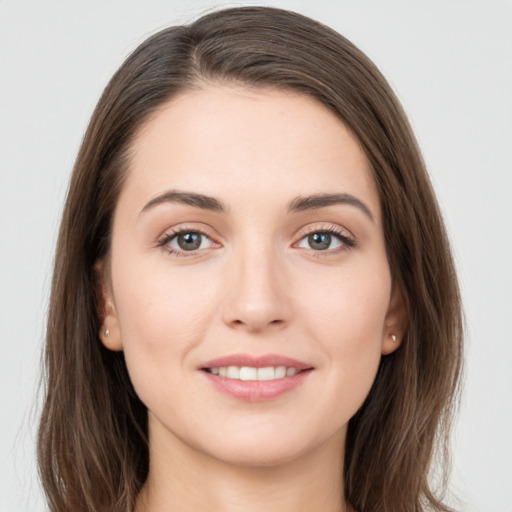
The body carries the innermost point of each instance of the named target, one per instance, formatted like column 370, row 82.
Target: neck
column 184, row 479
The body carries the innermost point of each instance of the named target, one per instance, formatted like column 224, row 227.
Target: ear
column 110, row 334
column 395, row 323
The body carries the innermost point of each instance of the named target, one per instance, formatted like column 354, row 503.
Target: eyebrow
column 323, row 200
column 299, row 204
column 189, row 198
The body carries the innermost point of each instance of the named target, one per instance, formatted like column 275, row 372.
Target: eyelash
column 347, row 242
column 169, row 236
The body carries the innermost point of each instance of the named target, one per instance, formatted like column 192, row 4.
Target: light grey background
column 451, row 64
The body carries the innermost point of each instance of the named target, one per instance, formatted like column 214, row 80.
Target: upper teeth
column 250, row 373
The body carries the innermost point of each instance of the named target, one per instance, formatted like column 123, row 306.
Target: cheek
column 349, row 302
column 163, row 315
column 345, row 313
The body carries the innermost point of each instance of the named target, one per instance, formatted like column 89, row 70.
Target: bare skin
column 235, row 173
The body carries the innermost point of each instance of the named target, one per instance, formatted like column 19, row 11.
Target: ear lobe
column 110, row 334
column 396, row 320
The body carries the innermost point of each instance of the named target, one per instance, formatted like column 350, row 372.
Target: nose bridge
column 256, row 299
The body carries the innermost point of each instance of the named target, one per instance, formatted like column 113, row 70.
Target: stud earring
column 107, row 333
column 393, row 337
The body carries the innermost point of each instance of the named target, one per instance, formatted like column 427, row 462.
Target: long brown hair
column 93, row 446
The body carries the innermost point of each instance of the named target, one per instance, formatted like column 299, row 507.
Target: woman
column 254, row 305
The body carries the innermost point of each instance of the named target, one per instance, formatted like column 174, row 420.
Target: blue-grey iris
column 189, row 241
column 319, row 241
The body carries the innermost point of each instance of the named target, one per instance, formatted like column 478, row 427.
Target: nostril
column 257, row 324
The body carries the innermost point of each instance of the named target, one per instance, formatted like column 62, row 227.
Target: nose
column 257, row 299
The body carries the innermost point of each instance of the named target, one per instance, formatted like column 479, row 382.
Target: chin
column 258, row 457
column 269, row 449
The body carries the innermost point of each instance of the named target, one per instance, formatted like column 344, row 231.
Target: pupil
column 189, row 241
column 319, row 241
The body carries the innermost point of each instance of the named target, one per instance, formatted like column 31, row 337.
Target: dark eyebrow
column 298, row 204
column 322, row 200
column 189, row 198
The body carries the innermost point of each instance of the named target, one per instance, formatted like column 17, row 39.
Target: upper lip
column 256, row 361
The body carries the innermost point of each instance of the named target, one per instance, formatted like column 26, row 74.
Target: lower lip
column 257, row 390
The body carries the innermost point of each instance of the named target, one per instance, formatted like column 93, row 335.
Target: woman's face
column 249, row 286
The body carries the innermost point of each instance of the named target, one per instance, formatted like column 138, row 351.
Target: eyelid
column 345, row 236
column 171, row 233
column 325, row 227
column 348, row 241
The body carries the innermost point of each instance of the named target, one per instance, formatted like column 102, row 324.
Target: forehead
column 222, row 140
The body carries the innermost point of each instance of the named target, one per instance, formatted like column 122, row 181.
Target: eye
column 186, row 241
column 325, row 240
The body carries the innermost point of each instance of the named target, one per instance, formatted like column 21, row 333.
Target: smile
column 251, row 373
column 255, row 378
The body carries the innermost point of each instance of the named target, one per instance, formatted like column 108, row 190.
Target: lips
column 255, row 378
column 256, row 362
